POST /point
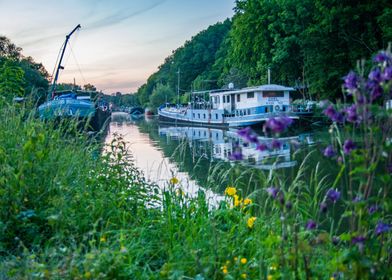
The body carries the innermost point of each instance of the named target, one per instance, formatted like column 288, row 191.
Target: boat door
column 232, row 98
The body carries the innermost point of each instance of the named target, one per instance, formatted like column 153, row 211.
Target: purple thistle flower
column 333, row 195
column 273, row 191
column 262, row 147
column 381, row 228
column 329, row 151
column 351, row 81
column 310, row 225
column 334, row 115
column 382, row 56
column 352, row 115
column 387, row 75
column 278, row 125
column 276, row 144
column 323, row 207
column 348, row 146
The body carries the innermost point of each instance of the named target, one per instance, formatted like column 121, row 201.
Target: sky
column 121, row 42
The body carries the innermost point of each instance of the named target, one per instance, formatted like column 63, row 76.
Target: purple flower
column 237, row 153
column 375, row 75
column 372, row 209
column 323, row 207
column 357, row 199
column 359, row 240
column 375, row 89
column 262, row 147
column 311, row 225
column 333, row 195
column 276, row 144
column 278, row 125
column 348, row 146
column 351, row 81
column 248, row 135
column 289, row 205
column 273, row 191
column 352, row 115
column 387, row 75
column 334, row 115
column 382, row 56
column 329, row 151
column 381, row 228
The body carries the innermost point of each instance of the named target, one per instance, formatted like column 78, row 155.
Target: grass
column 68, row 211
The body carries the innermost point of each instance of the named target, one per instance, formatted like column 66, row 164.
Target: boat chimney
column 269, row 75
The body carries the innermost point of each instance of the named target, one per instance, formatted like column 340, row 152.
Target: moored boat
column 72, row 103
column 233, row 107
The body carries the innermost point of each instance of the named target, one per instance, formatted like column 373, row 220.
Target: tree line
column 308, row 44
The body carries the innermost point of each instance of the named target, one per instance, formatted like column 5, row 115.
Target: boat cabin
column 253, row 100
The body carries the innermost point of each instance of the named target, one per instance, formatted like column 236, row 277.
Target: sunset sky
column 121, row 42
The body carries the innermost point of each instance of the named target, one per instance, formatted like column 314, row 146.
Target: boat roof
column 268, row 87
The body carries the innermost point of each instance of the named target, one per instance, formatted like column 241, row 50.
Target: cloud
column 121, row 16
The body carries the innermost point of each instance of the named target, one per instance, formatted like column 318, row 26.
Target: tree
column 160, row 95
column 89, row 87
column 11, row 81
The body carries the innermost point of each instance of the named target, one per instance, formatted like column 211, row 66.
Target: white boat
column 233, row 107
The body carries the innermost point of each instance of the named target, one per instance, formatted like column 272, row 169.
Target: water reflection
column 190, row 153
column 223, row 143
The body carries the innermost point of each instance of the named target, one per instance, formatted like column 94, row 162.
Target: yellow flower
column 251, row 222
column 244, row 276
column 230, row 191
column 174, row 181
column 237, row 200
column 224, row 269
column 87, row 274
column 235, row 259
column 102, row 239
column 332, row 278
column 247, row 201
column 269, row 277
column 227, row 262
column 273, row 267
column 244, row 260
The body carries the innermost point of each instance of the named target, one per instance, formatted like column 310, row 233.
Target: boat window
column 238, row 97
column 248, row 111
column 250, row 94
column 209, row 116
column 267, row 109
column 224, row 99
column 228, row 98
column 216, row 116
column 273, row 94
column 204, row 115
column 194, row 115
column 198, row 115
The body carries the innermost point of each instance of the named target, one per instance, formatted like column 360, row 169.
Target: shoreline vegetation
column 70, row 212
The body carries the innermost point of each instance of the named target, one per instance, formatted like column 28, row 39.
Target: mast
column 53, row 89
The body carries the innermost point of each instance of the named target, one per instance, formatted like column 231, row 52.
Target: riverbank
column 68, row 212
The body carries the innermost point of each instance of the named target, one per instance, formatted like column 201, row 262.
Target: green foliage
column 160, row 95
column 11, row 81
column 35, row 83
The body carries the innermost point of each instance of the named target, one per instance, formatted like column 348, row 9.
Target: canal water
column 200, row 157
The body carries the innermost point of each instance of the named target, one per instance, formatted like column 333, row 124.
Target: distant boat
column 233, row 107
column 72, row 103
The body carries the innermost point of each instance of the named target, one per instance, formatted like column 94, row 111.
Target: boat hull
column 206, row 117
